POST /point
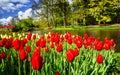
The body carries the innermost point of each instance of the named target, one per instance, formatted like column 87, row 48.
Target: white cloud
column 20, row 14
column 9, row 5
column 9, row 19
column 23, row 15
column 9, row 1
column 5, row 21
column 20, row 5
column 21, row 1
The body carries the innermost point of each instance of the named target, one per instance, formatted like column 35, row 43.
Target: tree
column 103, row 10
column 24, row 24
column 52, row 10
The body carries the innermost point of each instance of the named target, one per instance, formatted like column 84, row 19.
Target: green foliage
column 40, row 24
column 59, row 13
column 24, row 25
column 103, row 10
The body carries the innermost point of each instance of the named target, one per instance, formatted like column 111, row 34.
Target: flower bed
column 55, row 54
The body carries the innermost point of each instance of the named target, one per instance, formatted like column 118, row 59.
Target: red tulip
column 3, row 55
column 22, row 44
column 75, row 39
column 16, row 44
column 67, row 35
column 36, row 52
column 106, row 46
column 34, row 36
column 76, row 52
column 42, row 42
column 61, row 38
column 9, row 57
column 57, row 73
column 88, row 41
column 28, row 48
column 4, row 40
column 24, row 40
column 99, row 59
column 8, row 44
column 99, row 46
column 70, row 55
column 29, row 35
column 37, row 43
column 87, row 46
column 85, row 36
column 46, row 49
column 79, row 43
column 48, row 38
column 56, row 38
column 114, row 46
column 106, row 39
column 10, row 39
column 37, row 62
column 53, row 37
column 59, row 47
column 69, row 40
column 1, row 44
column 22, row 54
column 112, row 42
column 0, row 59
column 52, row 45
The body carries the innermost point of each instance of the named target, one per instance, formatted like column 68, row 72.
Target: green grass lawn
column 88, row 27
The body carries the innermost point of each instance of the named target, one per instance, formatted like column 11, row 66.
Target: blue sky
column 12, row 7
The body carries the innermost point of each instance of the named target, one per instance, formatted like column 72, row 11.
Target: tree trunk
column 64, row 14
column 64, row 20
column 52, row 15
column 47, row 16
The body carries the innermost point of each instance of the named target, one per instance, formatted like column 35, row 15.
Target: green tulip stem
column 30, row 68
column 19, row 65
column 69, row 69
column 24, row 66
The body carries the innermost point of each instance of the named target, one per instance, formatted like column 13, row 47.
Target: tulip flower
column 48, row 38
column 22, row 54
column 56, row 38
column 67, row 35
column 9, row 57
column 16, row 44
column 0, row 59
column 28, row 48
column 4, row 40
column 99, row 46
column 59, row 47
column 56, row 73
column 69, row 40
column 46, row 49
column 42, row 42
column 85, row 36
column 3, row 55
column 36, row 60
column 76, row 52
column 70, row 55
column 36, row 52
column 1, row 44
column 51, row 45
column 106, row 46
column 99, row 59
column 34, row 36
column 29, row 35
column 79, row 43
